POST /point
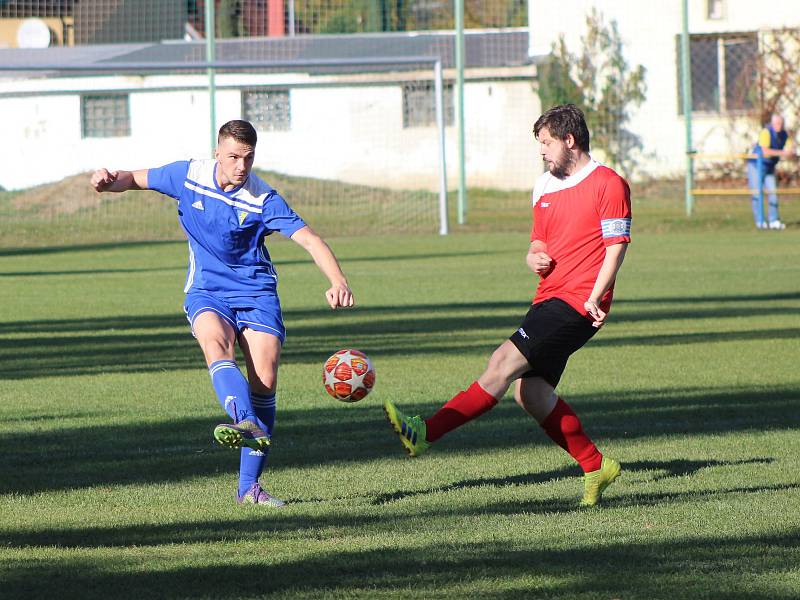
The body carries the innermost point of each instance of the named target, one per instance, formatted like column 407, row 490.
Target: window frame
column 721, row 90
column 103, row 132
column 423, row 92
column 264, row 124
column 716, row 10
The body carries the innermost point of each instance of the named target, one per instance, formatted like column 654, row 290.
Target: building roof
column 482, row 49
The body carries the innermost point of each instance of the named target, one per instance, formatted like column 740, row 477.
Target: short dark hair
column 562, row 121
column 241, row 131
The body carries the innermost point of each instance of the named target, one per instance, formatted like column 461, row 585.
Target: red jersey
column 578, row 217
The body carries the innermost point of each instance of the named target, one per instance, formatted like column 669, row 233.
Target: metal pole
column 686, row 86
column 373, row 15
column 212, row 87
column 761, row 168
column 140, row 67
column 462, row 178
column 291, row 17
column 439, row 93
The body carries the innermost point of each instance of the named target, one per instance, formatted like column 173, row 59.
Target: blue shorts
column 259, row 313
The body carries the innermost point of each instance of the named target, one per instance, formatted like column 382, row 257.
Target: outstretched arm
column 104, row 180
column 605, row 278
column 339, row 293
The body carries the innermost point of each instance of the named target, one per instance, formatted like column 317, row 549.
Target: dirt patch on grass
column 65, row 197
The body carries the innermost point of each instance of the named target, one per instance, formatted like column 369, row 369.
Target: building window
column 268, row 110
column 106, row 115
column 419, row 106
column 724, row 69
column 715, row 10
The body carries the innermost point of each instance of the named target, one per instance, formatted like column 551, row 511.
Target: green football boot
column 595, row 482
column 243, row 433
column 411, row 430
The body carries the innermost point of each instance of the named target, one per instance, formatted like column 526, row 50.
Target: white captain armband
column 616, row 227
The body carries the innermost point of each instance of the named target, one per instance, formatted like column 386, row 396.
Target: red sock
column 564, row 428
column 463, row 407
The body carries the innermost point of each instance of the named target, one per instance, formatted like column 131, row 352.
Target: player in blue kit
column 231, row 285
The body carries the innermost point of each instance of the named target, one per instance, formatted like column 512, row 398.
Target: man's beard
column 563, row 165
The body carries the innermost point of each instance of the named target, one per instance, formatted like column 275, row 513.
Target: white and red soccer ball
column 348, row 375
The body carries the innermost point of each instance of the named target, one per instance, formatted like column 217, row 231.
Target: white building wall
column 44, row 141
column 38, row 146
column 167, row 126
column 353, row 134
column 648, row 31
column 501, row 151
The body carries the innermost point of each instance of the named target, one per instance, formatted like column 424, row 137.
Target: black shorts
column 551, row 332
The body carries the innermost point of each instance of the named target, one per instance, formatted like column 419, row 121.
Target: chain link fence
column 358, row 147
column 738, row 81
column 354, row 147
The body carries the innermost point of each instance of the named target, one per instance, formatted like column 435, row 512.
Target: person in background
column 774, row 144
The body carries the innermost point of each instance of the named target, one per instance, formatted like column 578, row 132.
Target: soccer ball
column 348, row 375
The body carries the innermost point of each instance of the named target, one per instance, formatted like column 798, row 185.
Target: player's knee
column 217, row 348
column 518, row 396
column 264, row 383
column 496, row 364
column 500, row 368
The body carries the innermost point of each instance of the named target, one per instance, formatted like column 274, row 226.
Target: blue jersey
column 769, row 138
column 226, row 230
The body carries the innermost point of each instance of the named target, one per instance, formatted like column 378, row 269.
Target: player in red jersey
column 581, row 230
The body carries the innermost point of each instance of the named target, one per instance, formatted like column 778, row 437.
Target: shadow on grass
column 84, row 247
column 111, row 455
column 361, row 518
column 716, row 299
column 142, row 343
column 279, row 262
column 701, row 567
column 673, row 468
column 88, row 272
column 170, row 451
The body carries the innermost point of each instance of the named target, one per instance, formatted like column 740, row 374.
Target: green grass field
column 111, row 485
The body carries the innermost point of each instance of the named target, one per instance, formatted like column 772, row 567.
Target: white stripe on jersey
column 253, row 192
column 199, row 190
column 615, row 227
column 190, row 275
column 547, row 184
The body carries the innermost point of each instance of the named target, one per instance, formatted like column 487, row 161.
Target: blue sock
column 232, row 390
column 251, row 462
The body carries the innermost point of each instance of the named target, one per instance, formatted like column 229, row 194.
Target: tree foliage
column 228, row 20
column 360, row 16
column 366, row 16
column 777, row 74
column 599, row 80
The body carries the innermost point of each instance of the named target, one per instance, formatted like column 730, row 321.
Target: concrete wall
column 351, row 133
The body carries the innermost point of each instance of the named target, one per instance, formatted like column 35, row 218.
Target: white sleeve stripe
column 255, row 201
column 190, row 275
column 217, row 196
column 615, row 227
